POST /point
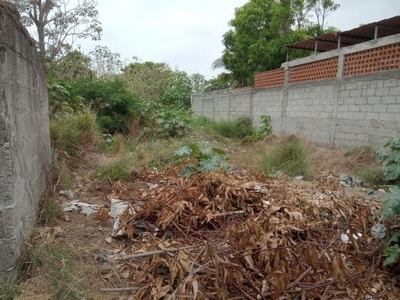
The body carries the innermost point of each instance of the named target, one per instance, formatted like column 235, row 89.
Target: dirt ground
column 88, row 239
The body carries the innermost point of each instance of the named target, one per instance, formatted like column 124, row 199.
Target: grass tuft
column 74, row 135
column 290, row 157
column 52, row 259
column 373, row 176
column 8, row 290
column 119, row 169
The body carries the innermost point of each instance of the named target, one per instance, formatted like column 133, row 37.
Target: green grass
column 234, row 129
column 373, row 176
column 8, row 290
column 49, row 211
column 356, row 150
column 54, row 260
column 119, row 169
column 73, row 135
column 289, row 157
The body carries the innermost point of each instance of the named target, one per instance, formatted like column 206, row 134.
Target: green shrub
column 371, row 175
column 119, row 169
column 73, row 135
column 289, row 156
column 62, row 98
column 202, row 158
column 238, row 128
column 112, row 101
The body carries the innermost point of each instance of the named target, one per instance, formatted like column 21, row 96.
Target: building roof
column 364, row 33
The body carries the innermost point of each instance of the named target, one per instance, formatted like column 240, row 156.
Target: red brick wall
column 270, row 78
column 373, row 60
column 322, row 69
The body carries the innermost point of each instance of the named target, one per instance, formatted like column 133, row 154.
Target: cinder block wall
column 25, row 154
column 351, row 111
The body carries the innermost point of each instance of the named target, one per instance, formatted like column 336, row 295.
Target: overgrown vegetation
column 389, row 156
column 73, row 135
column 8, row 290
column 201, row 158
column 372, row 176
column 116, row 170
column 237, row 128
column 289, row 156
column 53, row 259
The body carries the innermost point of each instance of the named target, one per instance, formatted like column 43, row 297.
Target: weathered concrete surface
column 350, row 111
column 25, row 154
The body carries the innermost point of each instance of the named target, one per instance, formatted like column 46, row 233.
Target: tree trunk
column 42, row 48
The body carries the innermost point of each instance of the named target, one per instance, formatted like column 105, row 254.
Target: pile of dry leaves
column 242, row 236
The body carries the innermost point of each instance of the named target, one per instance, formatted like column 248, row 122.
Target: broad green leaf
column 206, row 150
column 392, row 253
column 391, row 207
column 184, row 151
column 394, row 238
column 382, row 155
column 208, row 165
column 392, row 171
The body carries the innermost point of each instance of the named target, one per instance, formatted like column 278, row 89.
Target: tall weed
column 74, row 135
column 290, row 157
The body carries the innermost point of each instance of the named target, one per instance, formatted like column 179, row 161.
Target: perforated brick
column 322, row 69
column 270, row 78
column 373, row 60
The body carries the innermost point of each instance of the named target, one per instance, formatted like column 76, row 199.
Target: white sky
column 187, row 33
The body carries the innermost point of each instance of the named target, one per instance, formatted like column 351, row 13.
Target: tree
column 178, row 91
column 73, row 65
column 105, row 63
column 199, row 83
column 222, row 81
column 58, row 25
column 322, row 9
column 259, row 30
column 147, row 80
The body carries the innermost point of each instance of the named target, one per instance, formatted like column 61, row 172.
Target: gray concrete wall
column 350, row 111
column 25, row 154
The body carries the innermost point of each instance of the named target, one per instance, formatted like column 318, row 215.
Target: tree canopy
column 260, row 28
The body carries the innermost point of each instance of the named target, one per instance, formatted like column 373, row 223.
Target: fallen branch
column 144, row 254
column 116, row 290
column 239, row 212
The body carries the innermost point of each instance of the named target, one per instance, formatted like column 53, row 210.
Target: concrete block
column 376, row 83
column 354, row 107
column 372, row 116
column 351, row 85
column 359, row 115
column 386, row 116
column 355, row 93
column 383, row 91
column 363, row 137
column 344, row 94
column 390, row 99
column 368, row 92
column 348, row 115
column 393, row 108
column 365, row 108
column 360, row 100
column 374, row 100
column 395, row 91
column 379, row 108
column 9, row 255
column 392, row 125
column 391, row 82
column 362, row 84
